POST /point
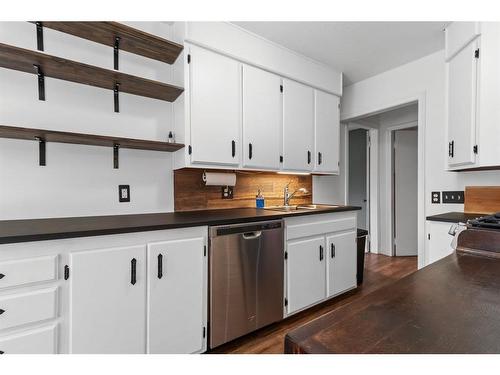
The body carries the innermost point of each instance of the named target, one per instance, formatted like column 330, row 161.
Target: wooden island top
column 451, row 306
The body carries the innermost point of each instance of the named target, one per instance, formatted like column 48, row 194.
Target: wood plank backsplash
column 190, row 192
column 482, row 199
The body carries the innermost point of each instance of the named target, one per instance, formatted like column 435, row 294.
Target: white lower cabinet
column 341, row 265
column 108, row 300
column 305, row 273
column 176, row 274
column 320, row 258
column 36, row 341
column 438, row 241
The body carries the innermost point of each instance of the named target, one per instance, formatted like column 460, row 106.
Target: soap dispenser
column 259, row 200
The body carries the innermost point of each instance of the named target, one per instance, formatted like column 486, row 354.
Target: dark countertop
column 12, row 231
column 454, row 217
column 451, row 306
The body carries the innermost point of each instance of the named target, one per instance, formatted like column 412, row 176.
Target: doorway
column 358, row 174
column 405, row 191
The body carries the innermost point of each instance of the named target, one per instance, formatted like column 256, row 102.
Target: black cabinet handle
column 160, row 266
column 249, row 150
column 451, row 149
column 308, row 157
column 1, row 276
column 320, row 253
column 332, row 249
column 233, row 148
column 319, row 158
column 1, row 352
column 133, row 271
column 1, row 311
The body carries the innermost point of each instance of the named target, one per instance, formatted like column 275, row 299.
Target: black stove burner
column 490, row 221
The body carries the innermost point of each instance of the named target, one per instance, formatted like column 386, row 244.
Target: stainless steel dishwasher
column 246, row 278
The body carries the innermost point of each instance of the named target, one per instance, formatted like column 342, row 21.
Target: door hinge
column 204, row 332
column 286, row 254
column 281, row 88
column 66, row 272
column 281, row 158
column 205, row 250
column 189, row 58
column 429, row 236
column 190, row 150
column 286, row 301
column 474, row 149
column 476, row 53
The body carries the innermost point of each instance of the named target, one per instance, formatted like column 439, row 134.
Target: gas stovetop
column 490, row 221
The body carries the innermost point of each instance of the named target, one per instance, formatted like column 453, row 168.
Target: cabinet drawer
column 30, row 307
column 28, row 270
column 303, row 228
column 37, row 341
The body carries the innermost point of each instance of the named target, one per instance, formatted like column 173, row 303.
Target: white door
column 306, row 273
column 298, row 126
column 405, row 192
column 342, row 262
column 176, row 282
column 438, row 241
column 108, row 300
column 462, row 93
column 262, row 125
column 327, row 132
column 215, row 107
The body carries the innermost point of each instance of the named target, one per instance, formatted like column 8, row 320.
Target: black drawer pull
column 133, row 271
column 1, row 352
column 233, row 148
column 320, row 158
column 308, row 157
column 333, row 250
column 160, row 266
column 1, row 276
column 249, row 150
column 320, row 253
column 2, row 311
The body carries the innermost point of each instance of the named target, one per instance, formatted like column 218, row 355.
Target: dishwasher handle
column 251, row 235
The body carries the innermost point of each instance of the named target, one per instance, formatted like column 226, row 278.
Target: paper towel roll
column 219, row 179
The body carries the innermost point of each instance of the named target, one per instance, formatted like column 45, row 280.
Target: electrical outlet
column 453, row 197
column 124, row 193
column 227, row 192
column 436, row 197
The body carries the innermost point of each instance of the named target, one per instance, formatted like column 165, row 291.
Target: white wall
column 425, row 76
column 80, row 180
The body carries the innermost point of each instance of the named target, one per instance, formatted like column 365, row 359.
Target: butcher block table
column 451, row 306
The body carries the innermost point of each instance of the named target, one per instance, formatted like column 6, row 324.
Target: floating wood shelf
column 86, row 139
column 51, row 66
column 131, row 40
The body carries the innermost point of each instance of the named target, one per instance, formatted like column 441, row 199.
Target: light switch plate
column 453, row 196
column 124, row 193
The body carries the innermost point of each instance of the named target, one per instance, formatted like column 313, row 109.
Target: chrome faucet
column 287, row 195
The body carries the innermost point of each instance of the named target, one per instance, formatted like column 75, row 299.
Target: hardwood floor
column 380, row 270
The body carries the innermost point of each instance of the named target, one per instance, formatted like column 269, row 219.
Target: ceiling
column 358, row 49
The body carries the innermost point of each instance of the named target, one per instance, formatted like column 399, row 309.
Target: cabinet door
column 462, row 79
column 215, row 102
column 298, row 126
column 306, row 273
column 176, row 296
column 438, row 241
column 108, row 300
column 327, row 128
column 342, row 256
column 261, row 119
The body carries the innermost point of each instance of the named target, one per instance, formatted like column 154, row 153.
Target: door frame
column 372, row 180
column 390, row 176
column 420, row 100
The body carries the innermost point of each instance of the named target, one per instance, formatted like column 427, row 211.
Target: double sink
column 300, row 207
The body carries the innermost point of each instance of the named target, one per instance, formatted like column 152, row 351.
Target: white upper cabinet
column 262, row 125
column 462, row 95
column 215, row 108
column 327, row 128
column 107, row 301
column 176, row 296
column 298, row 126
column 458, row 35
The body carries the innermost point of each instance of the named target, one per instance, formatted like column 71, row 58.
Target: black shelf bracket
column 41, row 151
column 39, row 36
column 116, row 49
column 116, row 91
column 116, row 149
column 41, row 82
